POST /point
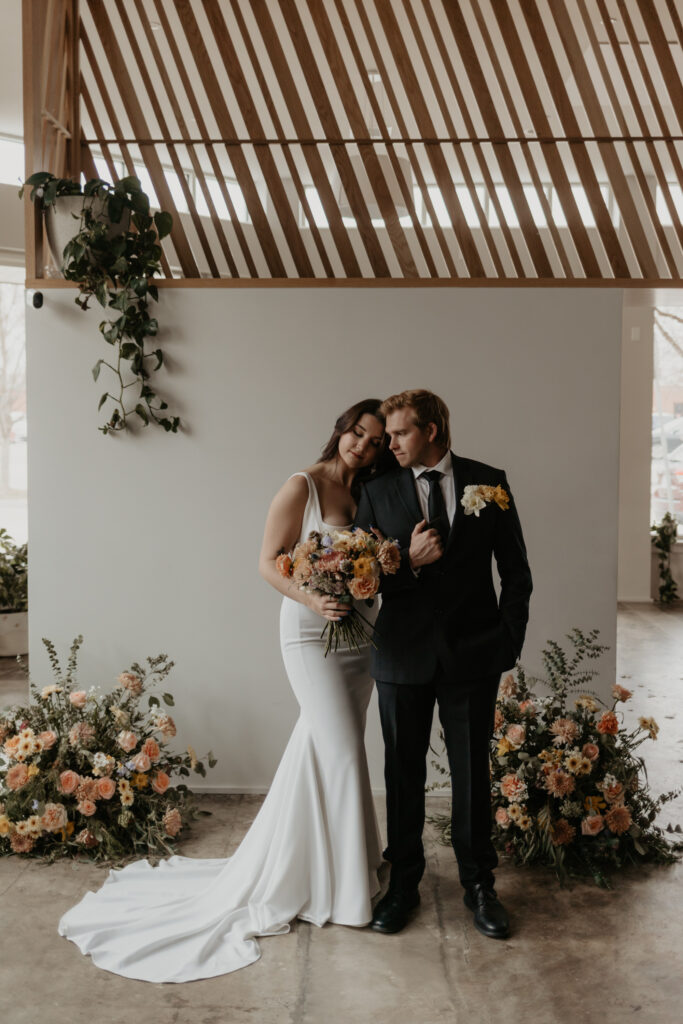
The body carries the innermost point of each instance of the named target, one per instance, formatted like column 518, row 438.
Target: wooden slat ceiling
column 463, row 140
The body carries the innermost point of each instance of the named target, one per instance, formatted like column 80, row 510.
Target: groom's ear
column 432, row 431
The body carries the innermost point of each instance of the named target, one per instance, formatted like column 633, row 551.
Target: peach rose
column 613, row 794
column 591, row 825
column 47, row 738
column 527, row 707
column 283, row 564
column 363, row 587
column 106, row 788
column 165, row 725
column 160, row 782
column 151, row 748
column 301, row 570
column 142, row 763
column 11, row 746
column 513, row 788
column 608, row 724
column 591, row 751
column 129, row 681
column 516, row 734
column 127, row 740
column 86, row 807
column 69, row 781
column 78, row 698
column 17, row 776
column 54, row 818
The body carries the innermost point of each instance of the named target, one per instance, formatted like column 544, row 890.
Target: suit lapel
column 407, row 493
column 461, row 477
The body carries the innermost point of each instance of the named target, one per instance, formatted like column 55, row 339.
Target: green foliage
column 13, row 574
column 569, row 790
column 663, row 538
column 116, row 268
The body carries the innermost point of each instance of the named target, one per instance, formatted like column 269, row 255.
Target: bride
column 313, row 850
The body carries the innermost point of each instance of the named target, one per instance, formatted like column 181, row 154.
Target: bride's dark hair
column 348, row 419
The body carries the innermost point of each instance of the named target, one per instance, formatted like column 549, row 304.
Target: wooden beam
column 33, row 20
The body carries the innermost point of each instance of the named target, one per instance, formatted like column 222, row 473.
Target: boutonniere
column 475, row 497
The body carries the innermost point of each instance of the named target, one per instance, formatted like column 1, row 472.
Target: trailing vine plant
column 663, row 538
column 116, row 267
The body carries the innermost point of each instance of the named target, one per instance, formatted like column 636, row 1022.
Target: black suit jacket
column 449, row 613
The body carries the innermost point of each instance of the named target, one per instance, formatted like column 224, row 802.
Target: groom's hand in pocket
column 425, row 546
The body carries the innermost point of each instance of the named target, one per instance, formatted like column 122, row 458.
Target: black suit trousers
column 466, row 712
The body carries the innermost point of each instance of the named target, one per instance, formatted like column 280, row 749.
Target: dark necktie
column 436, row 506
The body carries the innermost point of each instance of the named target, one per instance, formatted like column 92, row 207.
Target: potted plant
column 112, row 253
column 13, row 597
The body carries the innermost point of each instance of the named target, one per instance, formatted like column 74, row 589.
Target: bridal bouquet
column 569, row 789
column 86, row 771
column 345, row 564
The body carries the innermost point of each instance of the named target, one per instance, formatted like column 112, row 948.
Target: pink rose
column 516, row 734
column 47, row 738
column 127, row 740
column 151, row 748
column 591, row 751
column 130, row 682
column 86, row 807
column 502, row 818
column 160, row 782
column 591, row 825
column 68, row 781
column 106, row 788
column 78, row 698
column 142, row 763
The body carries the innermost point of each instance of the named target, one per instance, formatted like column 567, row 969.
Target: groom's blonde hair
column 427, row 408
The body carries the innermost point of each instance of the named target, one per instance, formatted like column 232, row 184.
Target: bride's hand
column 327, row 607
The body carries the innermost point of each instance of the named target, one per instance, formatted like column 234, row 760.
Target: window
column 667, row 415
column 13, row 515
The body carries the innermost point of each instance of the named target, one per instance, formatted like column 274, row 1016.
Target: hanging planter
column 112, row 253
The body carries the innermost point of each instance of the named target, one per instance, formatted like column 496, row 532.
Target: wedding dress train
column 312, row 851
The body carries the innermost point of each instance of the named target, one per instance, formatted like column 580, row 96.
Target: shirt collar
column 445, row 466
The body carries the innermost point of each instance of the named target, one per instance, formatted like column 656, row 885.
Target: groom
column 442, row 637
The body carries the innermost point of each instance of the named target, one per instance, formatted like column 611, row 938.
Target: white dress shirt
column 447, row 484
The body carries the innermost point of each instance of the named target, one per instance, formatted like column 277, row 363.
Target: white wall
column 150, row 543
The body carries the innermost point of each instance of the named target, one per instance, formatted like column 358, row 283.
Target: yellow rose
column 504, row 746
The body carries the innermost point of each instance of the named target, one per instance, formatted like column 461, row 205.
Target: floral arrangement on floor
column 91, row 772
column 569, row 789
column 663, row 536
column 346, row 564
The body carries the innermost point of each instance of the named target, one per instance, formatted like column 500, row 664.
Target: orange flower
column 618, row 819
column 591, row 825
column 560, row 783
column 68, row 781
column 620, row 692
column 106, row 788
column 21, row 844
column 501, row 498
column 160, row 782
column 17, row 776
column 301, row 570
column 363, row 587
column 562, row 832
column 283, row 564
column 608, row 724
column 151, row 748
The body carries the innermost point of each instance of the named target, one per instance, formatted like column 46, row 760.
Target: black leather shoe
column 393, row 911
column 490, row 916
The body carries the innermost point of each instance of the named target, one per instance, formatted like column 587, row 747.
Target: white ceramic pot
column 13, row 634
column 62, row 222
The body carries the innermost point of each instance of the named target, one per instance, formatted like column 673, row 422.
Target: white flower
column 472, row 500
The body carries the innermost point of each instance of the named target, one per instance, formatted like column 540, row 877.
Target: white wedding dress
column 312, row 851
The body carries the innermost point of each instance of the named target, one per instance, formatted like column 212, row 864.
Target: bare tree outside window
column 13, row 432
column 667, row 415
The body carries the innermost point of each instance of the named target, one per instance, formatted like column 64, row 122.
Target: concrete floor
column 579, row 955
